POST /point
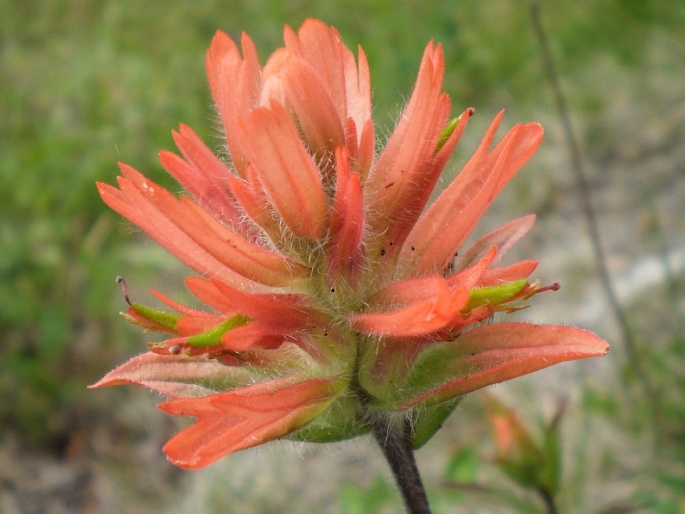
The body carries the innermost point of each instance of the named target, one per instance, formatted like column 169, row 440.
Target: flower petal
column 322, row 128
column 286, row 170
column 493, row 277
column 490, row 354
column 203, row 175
column 289, row 312
column 502, row 238
column 247, row 417
column 255, row 203
column 358, row 91
column 170, row 220
column 347, row 221
column 159, row 227
column 254, row 334
column 347, row 83
column 403, row 177
column 414, row 189
column 174, row 377
column 419, row 318
column 442, row 229
column 362, row 161
column 470, row 277
column 235, row 83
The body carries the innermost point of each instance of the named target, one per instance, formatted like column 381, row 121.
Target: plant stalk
column 550, row 502
column 395, row 441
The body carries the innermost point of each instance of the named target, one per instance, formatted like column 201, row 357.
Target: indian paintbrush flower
column 333, row 295
column 532, row 462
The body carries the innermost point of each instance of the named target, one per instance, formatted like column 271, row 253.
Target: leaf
column 429, row 420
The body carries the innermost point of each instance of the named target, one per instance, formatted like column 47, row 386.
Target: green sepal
column 164, row 319
column 427, row 421
column 434, row 367
column 406, row 380
column 337, row 423
column 494, row 295
column 212, row 337
column 382, row 373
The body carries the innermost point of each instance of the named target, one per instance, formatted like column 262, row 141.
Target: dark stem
column 395, row 441
column 548, row 498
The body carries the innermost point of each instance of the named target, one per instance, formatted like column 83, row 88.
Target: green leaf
column 337, row 423
column 428, row 421
column 550, row 474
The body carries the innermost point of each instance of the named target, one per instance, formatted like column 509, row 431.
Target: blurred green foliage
column 378, row 498
column 86, row 83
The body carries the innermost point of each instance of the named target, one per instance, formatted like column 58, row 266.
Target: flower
column 333, row 294
column 532, row 462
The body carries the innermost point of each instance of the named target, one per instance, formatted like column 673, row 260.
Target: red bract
column 333, row 294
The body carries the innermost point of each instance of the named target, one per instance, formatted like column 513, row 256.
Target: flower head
column 532, row 462
column 333, row 292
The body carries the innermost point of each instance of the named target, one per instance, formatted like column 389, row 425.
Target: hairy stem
column 395, row 441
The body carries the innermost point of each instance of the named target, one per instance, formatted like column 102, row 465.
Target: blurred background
column 86, row 83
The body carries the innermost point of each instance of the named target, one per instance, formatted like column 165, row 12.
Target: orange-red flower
column 333, row 293
column 532, row 462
